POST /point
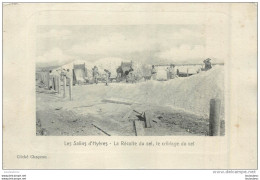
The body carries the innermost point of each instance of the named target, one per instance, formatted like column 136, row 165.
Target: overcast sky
column 152, row 44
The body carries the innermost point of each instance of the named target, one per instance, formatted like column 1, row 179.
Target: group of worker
column 61, row 74
column 66, row 73
column 128, row 74
column 96, row 75
column 169, row 70
column 171, row 73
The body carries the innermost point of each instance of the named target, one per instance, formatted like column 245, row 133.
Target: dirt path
column 91, row 115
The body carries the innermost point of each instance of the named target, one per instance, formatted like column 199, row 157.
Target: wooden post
column 58, row 79
column 70, row 88
column 214, row 122
column 48, row 79
column 43, row 80
column 187, row 72
column 138, row 128
column 147, row 119
column 64, row 86
column 74, row 77
column 53, row 83
column 134, row 128
column 56, row 83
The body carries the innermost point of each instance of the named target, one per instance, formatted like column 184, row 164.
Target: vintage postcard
column 130, row 86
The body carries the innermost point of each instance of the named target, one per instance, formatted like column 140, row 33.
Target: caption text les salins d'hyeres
column 129, row 143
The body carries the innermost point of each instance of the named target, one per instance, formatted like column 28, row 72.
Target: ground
column 92, row 113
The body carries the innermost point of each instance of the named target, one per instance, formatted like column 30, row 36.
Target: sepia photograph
column 128, row 80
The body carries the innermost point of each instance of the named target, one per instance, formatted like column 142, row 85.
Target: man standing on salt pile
column 207, row 64
column 153, row 72
column 95, row 74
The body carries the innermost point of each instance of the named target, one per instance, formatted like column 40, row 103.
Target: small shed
column 79, row 73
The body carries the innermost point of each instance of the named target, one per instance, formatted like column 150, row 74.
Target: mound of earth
column 191, row 94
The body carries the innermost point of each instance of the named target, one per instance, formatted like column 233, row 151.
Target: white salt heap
column 191, row 93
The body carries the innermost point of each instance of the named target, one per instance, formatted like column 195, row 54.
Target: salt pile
column 191, row 93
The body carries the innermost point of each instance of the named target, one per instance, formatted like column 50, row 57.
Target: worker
column 153, row 72
column 207, row 64
column 178, row 73
column 69, row 77
column 172, row 71
column 65, row 75
column 107, row 76
column 119, row 72
column 129, row 74
column 68, row 74
column 168, row 73
column 95, row 74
